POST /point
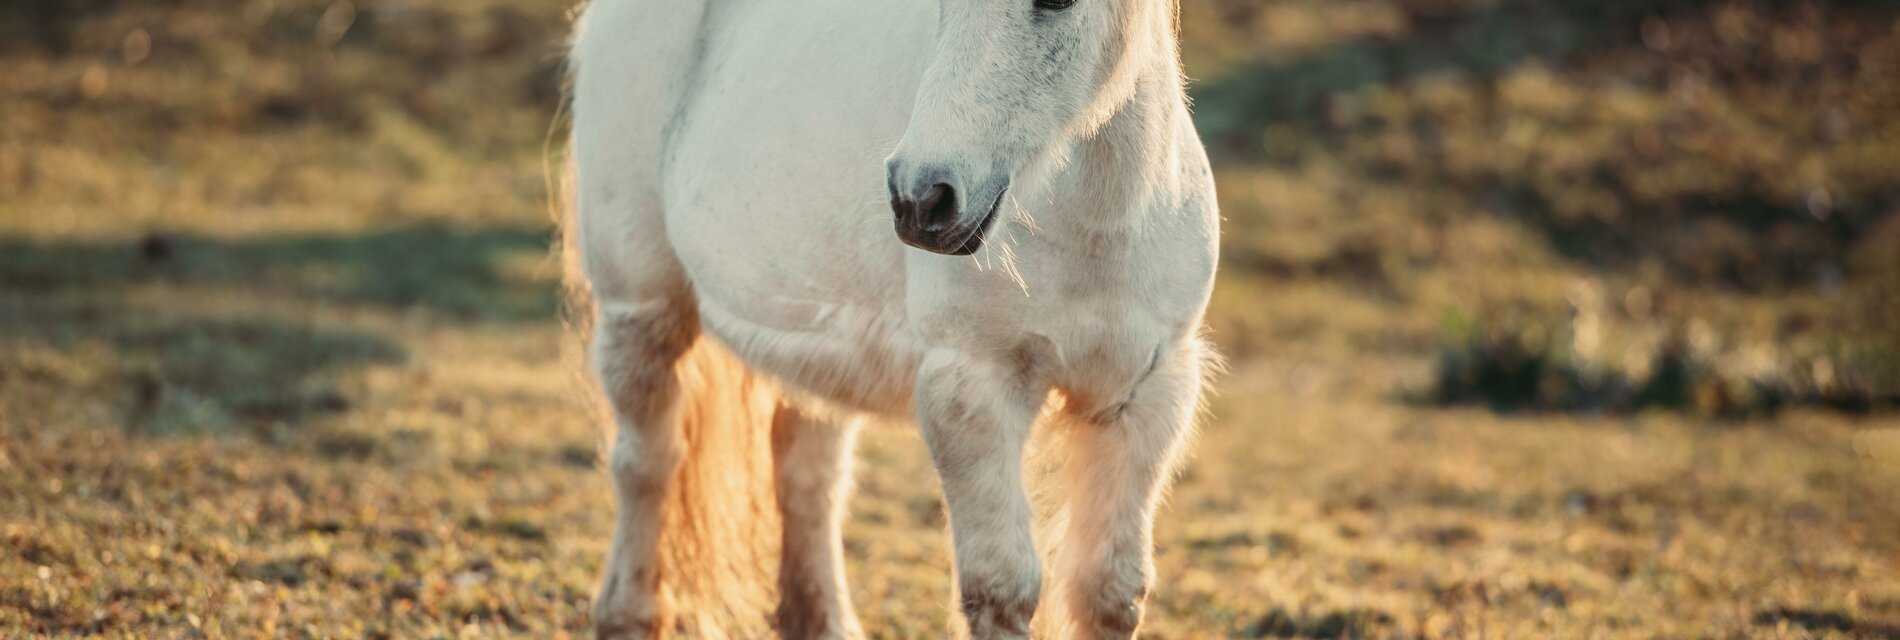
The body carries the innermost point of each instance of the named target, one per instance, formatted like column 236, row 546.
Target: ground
column 279, row 351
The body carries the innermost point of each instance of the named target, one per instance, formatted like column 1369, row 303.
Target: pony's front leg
column 975, row 415
column 1120, row 460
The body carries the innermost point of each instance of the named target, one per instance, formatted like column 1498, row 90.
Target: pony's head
column 1012, row 85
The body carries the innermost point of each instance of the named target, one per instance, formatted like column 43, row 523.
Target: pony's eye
column 1054, row 5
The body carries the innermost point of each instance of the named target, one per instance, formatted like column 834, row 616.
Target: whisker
column 1008, row 249
column 1021, row 213
column 886, row 146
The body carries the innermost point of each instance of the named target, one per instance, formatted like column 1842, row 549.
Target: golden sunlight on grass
column 1556, row 319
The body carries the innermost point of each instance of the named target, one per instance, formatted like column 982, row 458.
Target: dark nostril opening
column 939, row 206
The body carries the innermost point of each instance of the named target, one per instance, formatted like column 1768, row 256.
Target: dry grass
column 278, row 356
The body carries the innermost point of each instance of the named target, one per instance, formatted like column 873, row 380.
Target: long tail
column 720, row 535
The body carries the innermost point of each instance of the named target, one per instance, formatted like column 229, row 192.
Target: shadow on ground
column 249, row 333
column 181, row 372
column 460, row 274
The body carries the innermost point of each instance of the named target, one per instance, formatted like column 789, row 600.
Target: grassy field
column 1549, row 319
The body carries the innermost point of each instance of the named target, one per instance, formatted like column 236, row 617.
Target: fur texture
column 734, row 168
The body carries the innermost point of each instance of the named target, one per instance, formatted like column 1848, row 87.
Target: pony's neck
column 1130, row 167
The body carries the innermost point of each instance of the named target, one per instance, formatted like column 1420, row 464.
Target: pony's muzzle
column 932, row 214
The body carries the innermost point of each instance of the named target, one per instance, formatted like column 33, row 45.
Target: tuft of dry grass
column 278, row 353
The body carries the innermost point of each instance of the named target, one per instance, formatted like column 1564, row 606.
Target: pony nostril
column 938, row 206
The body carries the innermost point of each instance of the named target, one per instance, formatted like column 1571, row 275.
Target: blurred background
column 1554, row 318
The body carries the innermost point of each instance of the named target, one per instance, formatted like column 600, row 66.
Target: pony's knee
column 970, row 409
column 634, row 351
column 811, row 456
column 644, row 465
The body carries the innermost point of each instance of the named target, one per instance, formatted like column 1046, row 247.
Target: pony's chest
column 1108, row 322
column 1090, row 330
column 1098, row 350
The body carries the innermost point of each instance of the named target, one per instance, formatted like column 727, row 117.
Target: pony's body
column 732, row 180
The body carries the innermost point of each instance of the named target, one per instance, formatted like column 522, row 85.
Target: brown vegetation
column 1549, row 319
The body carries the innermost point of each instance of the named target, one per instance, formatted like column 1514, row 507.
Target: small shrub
column 1522, row 366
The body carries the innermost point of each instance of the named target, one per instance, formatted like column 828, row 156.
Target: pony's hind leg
column 645, row 321
column 1119, row 462
column 813, row 466
column 636, row 347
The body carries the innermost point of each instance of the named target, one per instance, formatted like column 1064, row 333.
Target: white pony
column 740, row 167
